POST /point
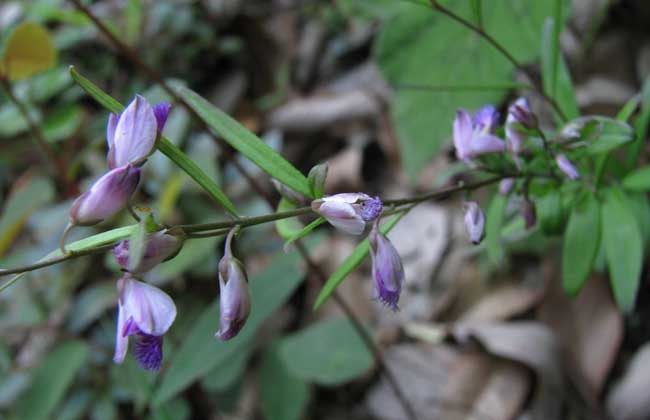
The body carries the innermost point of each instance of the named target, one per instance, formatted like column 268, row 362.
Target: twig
column 499, row 47
column 55, row 164
column 365, row 337
column 152, row 74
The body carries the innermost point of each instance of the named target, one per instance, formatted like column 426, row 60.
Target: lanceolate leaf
column 350, row 263
column 623, row 247
column 248, row 143
column 168, row 148
column 581, row 243
column 639, row 180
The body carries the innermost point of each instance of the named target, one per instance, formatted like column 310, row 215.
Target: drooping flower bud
column 567, row 167
column 108, row 195
column 147, row 313
column 348, row 211
column 475, row 138
column 528, row 212
column 474, row 222
column 131, row 136
column 291, row 195
column 505, row 186
column 387, row 269
column 234, row 298
column 158, row 247
column 317, row 176
column 519, row 118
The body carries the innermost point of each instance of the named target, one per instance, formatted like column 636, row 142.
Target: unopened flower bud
column 521, row 113
column 234, row 299
column 291, row 195
column 567, row 167
column 505, row 186
column 348, row 211
column 528, row 212
column 146, row 312
column 474, row 222
column 387, row 269
column 131, row 136
column 158, row 247
column 317, row 176
column 108, row 195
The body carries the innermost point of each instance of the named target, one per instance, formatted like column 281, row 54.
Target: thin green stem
column 246, row 221
column 57, row 260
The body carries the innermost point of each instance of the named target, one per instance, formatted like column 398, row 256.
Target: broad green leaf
column 351, row 262
column 555, row 74
column 287, row 227
column 282, row 395
column 493, row 226
column 247, row 143
column 19, row 206
column 421, row 47
column 639, row 180
column 328, row 353
column 201, row 352
column 168, row 148
column 581, row 242
column 29, row 50
column 50, row 380
column 137, row 244
column 176, row 409
column 623, row 248
column 604, row 134
column 638, row 203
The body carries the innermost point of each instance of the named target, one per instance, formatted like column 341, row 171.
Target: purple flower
column 145, row 312
column 474, row 222
column 131, row 136
column 387, row 269
column 567, row 167
column 519, row 117
column 348, row 211
column 108, row 195
column 505, row 186
column 161, row 112
column 159, row 247
column 234, row 298
column 474, row 138
column 528, row 212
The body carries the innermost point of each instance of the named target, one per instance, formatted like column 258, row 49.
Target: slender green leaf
column 639, row 180
column 201, row 352
column 329, row 353
column 626, row 112
column 476, row 10
column 168, row 148
column 287, row 227
column 137, row 244
column 549, row 212
column 555, row 74
column 303, row 232
column 247, row 143
column 493, row 226
column 623, row 247
column 581, row 242
column 350, row 263
column 51, row 379
column 283, row 395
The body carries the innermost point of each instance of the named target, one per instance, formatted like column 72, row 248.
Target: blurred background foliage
column 372, row 86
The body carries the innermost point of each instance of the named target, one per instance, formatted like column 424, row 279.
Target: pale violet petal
column 135, row 134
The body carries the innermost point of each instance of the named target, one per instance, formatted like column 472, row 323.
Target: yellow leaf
column 29, row 51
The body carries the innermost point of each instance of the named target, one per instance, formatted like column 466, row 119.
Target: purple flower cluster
column 131, row 138
column 475, row 136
